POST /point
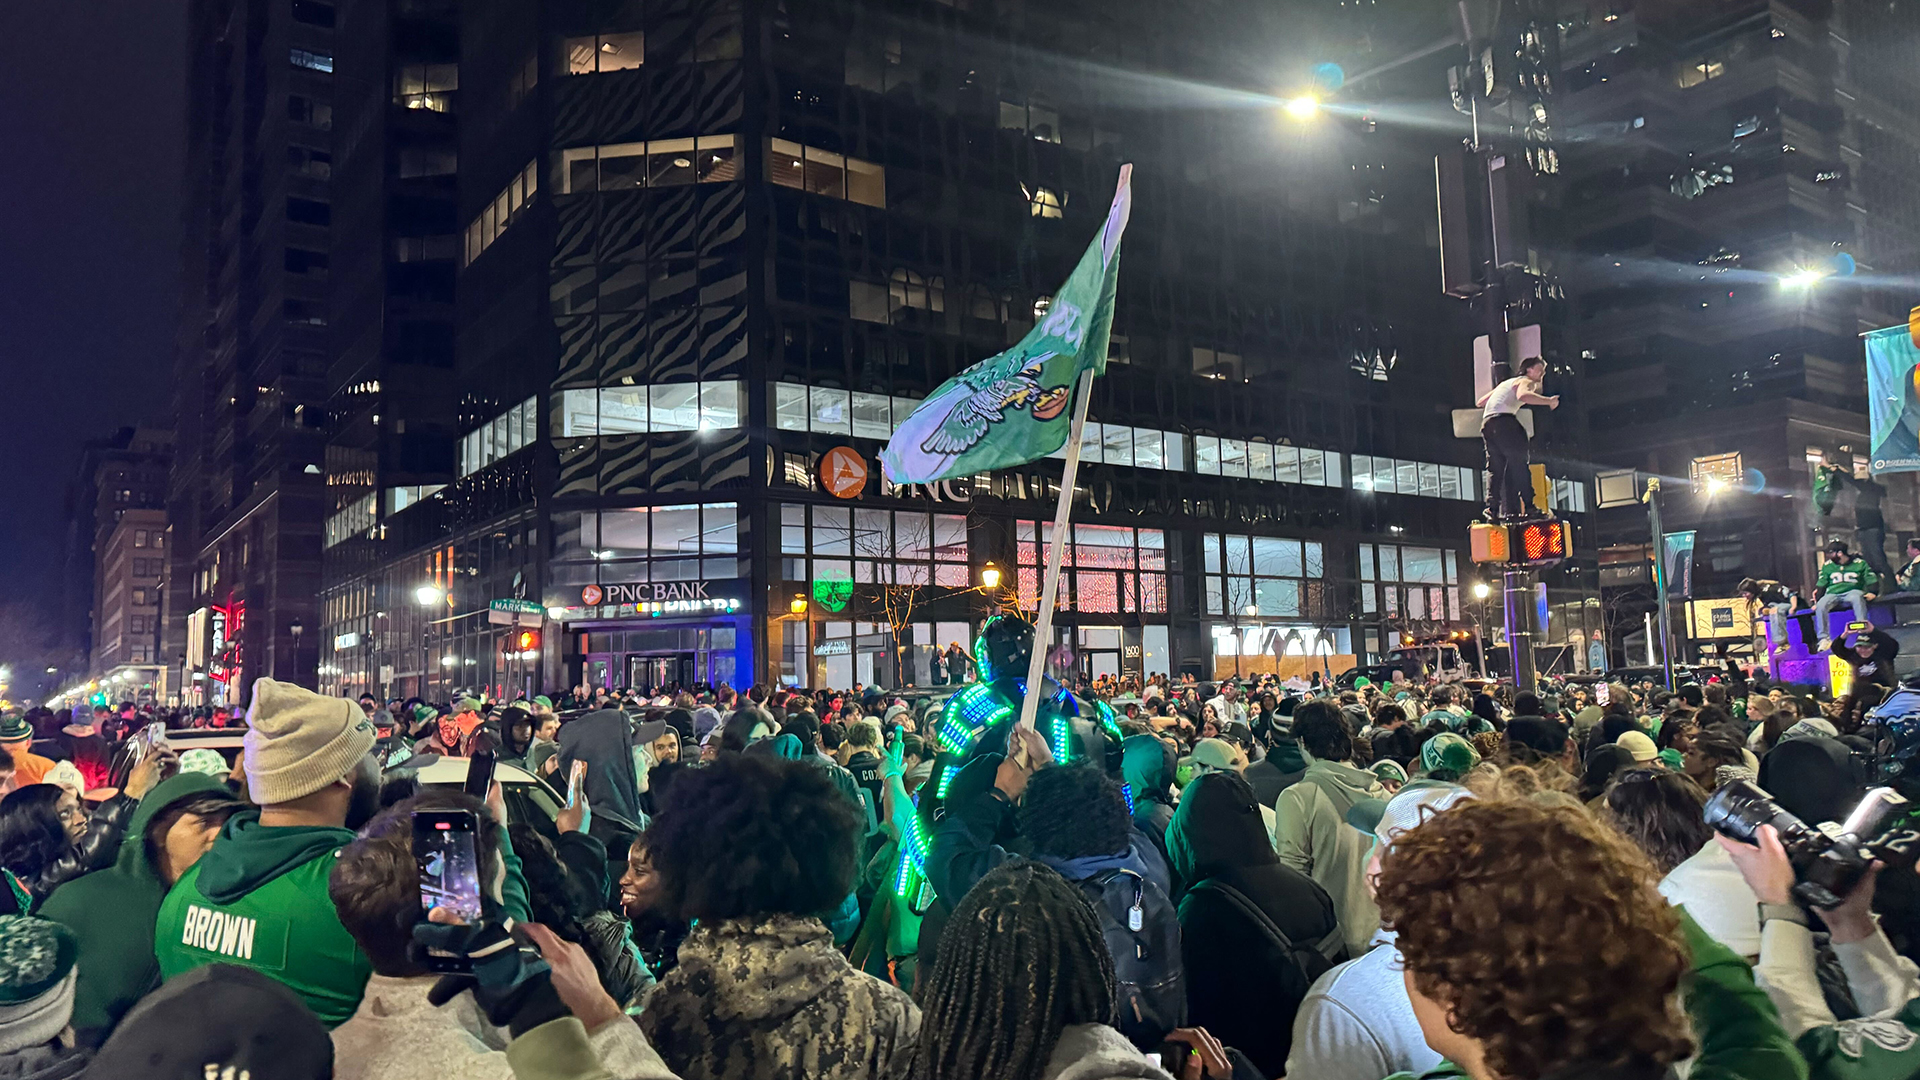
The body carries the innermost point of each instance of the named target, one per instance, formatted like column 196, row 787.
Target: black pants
column 1509, row 483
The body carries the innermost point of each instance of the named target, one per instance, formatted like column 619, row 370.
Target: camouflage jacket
column 770, row 998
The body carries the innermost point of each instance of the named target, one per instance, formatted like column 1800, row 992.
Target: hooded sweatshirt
column 770, row 998
column 1315, row 839
column 604, row 740
column 1283, row 766
column 1147, row 765
column 258, row 899
column 1251, row 929
column 112, row 912
column 1098, row 1052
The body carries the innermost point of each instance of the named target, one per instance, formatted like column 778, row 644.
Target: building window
column 1044, row 202
column 302, row 109
column 139, row 538
column 1393, row 475
column 399, row 498
column 1215, row 364
column 709, row 159
column 428, row 161
column 138, row 598
column 655, row 543
column 1257, row 460
column 638, row 410
column 351, row 522
column 822, row 172
column 426, row 86
column 1261, row 576
column 606, row 52
column 503, row 210
column 1407, row 582
column 1107, row 569
column 410, row 249
column 1039, row 121
column 1716, row 471
column 313, row 61
column 871, row 547
column 1570, row 495
column 310, row 163
column 505, row 434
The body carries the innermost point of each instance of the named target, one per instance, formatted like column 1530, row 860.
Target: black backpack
column 1142, row 930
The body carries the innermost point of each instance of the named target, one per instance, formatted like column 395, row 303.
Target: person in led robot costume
column 978, row 719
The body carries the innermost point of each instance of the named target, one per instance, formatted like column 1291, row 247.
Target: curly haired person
column 752, row 850
column 1536, row 946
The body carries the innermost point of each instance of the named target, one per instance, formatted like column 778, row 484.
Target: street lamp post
column 1652, row 499
column 296, row 629
column 428, row 597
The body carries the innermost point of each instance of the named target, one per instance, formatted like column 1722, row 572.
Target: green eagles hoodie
column 259, row 899
column 111, row 913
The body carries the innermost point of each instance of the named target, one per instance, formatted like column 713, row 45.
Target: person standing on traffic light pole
column 1509, row 483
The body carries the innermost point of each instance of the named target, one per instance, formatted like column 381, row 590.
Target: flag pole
column 1050, row 583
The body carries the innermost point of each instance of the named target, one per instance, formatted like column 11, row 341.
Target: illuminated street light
column 1480, row 590
column 429, row 595
column 1801, row 279
column 798, row 605
column 1303, row 107
column 1715, row 486
column 990, row 576
column 449, row 661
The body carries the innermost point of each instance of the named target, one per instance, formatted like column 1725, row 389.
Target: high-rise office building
column 712, row 253
column 249, row 496
column 396, row 249
column 1732, row 154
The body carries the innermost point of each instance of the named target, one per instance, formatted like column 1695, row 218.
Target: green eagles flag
column 1015, row 407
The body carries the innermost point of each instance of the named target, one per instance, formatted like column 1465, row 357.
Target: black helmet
column 1004, row 647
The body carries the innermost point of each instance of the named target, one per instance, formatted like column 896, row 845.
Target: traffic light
column 1542, row 542
column 1533, row 543
column 526, row 641
column 1542, row 487
column 1488, row 543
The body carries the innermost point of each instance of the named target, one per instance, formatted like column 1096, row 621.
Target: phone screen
column 446, row 854
column 480, row 774
column 157, row 734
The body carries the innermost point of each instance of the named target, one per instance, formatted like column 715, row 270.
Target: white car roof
column 454, row 771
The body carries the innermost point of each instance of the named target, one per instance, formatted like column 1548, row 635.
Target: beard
column 364, row 804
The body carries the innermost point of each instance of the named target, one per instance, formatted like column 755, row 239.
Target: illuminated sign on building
column 653, row 599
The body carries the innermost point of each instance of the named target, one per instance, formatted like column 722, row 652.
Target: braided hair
column 1021, row 959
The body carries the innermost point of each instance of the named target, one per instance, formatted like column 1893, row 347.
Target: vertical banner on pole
column 1676, row 562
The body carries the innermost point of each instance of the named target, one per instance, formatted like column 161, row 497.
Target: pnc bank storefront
column 651, row 635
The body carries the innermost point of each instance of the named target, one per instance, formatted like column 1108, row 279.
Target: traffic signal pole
column 1520, row 594
column 1652, row 498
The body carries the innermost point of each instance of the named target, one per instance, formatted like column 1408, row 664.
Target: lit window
column 313, row 61
column 823, row 172
column 1716, row 470
column 426, row 86
column 607, row 52
column 1044, row 202
column 660, row 163
column 502, row 211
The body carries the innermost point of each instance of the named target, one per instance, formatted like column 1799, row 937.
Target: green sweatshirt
column 259, row 899
column 111, row 913
column 1846, row 577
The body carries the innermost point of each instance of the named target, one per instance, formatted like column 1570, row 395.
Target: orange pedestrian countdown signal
column 1532, row 543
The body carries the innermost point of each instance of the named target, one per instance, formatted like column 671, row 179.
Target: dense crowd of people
column 1161, row 878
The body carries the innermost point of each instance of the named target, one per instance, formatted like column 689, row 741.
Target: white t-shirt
column 1505, row 398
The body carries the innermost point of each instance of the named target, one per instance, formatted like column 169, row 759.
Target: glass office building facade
column 714, row 253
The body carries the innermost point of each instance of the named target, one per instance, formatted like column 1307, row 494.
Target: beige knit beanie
column 298, row 741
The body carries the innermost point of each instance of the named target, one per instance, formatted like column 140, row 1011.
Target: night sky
column 91, row 121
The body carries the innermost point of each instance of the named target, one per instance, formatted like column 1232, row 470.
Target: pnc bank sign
column 655, row 598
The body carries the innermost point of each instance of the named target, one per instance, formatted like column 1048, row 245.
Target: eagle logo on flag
column 986, row 391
